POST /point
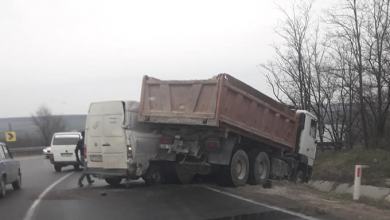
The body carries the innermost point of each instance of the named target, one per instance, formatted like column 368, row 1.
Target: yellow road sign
column 10, row 136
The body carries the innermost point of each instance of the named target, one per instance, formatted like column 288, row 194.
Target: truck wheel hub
column 240, row 169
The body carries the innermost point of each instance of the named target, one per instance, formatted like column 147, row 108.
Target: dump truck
column 225, row 128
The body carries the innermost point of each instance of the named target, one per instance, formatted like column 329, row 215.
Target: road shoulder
column 303, row 199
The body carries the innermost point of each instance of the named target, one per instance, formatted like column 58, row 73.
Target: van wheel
column 237, row 173
column 115, row 182
column 259, row 169
column 57, row 168
column 18, row 183
column 3, row 190
column 76, row 167
column 153, row 176
column 184, row 175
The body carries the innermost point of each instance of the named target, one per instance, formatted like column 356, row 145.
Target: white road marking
column 265, row 205
column 30, row 213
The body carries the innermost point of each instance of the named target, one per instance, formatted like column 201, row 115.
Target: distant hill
column 24, row 127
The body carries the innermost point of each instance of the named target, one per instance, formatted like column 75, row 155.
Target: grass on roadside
column 340, row 166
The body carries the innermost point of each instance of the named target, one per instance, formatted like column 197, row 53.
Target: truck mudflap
column 222, row 154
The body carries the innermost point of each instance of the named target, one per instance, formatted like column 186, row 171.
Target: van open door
column 106, row 139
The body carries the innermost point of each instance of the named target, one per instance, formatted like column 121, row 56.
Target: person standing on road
column 80, row 148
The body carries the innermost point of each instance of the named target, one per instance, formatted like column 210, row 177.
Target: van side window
column 313, row 128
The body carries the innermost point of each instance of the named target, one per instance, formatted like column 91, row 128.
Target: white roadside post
column 358, row 180
column 356, row 186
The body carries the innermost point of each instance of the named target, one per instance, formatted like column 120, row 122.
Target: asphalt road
column 133, row 200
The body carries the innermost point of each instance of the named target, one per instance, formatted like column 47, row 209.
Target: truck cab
column 308, row 143
column 118, row 146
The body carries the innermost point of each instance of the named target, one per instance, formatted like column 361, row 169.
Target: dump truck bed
column 221, row 101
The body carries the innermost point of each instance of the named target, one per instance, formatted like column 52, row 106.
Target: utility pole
column 9, row 126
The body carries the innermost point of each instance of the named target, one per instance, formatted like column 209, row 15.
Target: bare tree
column 347, row 19
column 377, row 57
column 340, row 66
column 47, row 123
column 289, row 73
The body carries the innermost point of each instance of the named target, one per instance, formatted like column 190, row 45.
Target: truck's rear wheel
column 184, row 175
column 259, row 169
column 115, row 182
column 153, row 176
column 237, row 173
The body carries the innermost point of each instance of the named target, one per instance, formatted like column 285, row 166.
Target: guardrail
column 26, row 149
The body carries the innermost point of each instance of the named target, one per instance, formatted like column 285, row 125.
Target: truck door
column 308, row 143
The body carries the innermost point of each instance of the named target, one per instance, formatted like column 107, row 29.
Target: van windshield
column 66, row 140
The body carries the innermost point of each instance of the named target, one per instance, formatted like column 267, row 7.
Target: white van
column 63, row 145
column 117, row 145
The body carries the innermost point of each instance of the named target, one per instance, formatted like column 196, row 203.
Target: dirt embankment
column 340, row 166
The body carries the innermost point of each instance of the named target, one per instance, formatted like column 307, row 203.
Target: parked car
column 9, row 170
column 47, row 152
column 62, row 153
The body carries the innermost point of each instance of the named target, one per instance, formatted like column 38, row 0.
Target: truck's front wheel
column 259, row 169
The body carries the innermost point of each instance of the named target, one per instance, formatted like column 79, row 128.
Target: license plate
column 66, row 154
column 95, row 158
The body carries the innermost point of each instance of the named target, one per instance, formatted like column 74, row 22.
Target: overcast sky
column 69, row 53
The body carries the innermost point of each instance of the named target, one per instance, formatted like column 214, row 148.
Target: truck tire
column 57, row 168
column 184, row 175
column 3, row 189
column 237, row 173
column 259, row 169
column 115, row 182
column 299, row 178
column 153, row 176
column 18, row 183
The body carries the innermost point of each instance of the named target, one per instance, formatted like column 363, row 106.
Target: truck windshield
column 66, row 140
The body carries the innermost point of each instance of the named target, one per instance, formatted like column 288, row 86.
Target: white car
column 62, row 150
column 47, row 152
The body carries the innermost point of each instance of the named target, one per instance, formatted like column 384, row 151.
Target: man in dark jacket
column 80, row 148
